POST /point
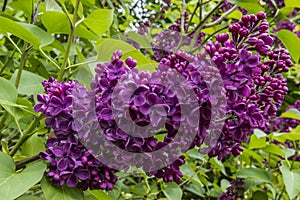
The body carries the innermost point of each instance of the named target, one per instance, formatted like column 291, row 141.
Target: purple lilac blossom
column 70, row 162
column 251, row 72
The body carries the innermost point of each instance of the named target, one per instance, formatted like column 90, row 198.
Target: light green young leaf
column 106, row 48
column 100, row 195
column 257, row 143
column 61, row 24
column 99, row 21
column 251, row 6
column 292, row 113
column 291, row 42
column 291, row 179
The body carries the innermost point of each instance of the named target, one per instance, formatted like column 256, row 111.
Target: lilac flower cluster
column 254, row 83
column 145, row 94
column 70, row 162
column 234, row 191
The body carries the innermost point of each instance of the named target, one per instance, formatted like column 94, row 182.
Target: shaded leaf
column 61, row 193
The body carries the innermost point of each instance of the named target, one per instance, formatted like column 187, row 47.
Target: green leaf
column 83, row 32
column 282, row 137
column 292, row 3
column 100, row 195
column 251, row 6
column 291, row 42
column 99, row 21
column 141, row 40
column 255, row 173
column 250, row 183
column 292, row 113
column 196, row 189
column 291, row 179
column 8, row 95
column 28, row 197
column 259, row 195
column 33, row 146
column 61, row 24
column 8, row 91
column 27, row 32
column 41, row 36
column 52, row 6
column 106, row 48
column 172, row 191
column 188, row 172
column 273, row 149
column 259, row 133
column 13, row 184
column 257, row 143
column 61, row 193
column 30, row 83
column 24, row 5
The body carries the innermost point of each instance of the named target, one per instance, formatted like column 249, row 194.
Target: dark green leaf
column 259, row 195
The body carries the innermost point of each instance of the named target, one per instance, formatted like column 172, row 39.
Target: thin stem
column 14, row 44
column 49, row 58
column 8, row 59
column 194, row 12
column 201, row 24
column 26, row 135
column 69, row 44
column 22, row 64
column 198, row 29
column 181, row 27
column 190, row 178
column 218, row 21
column 83, row 63
column 22, row 163
column 4, row 5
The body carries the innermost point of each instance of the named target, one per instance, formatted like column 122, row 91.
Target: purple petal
column 139, row 100
column 83, row 174
column 72, row 181
column 57, row 151
column 62, row 164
